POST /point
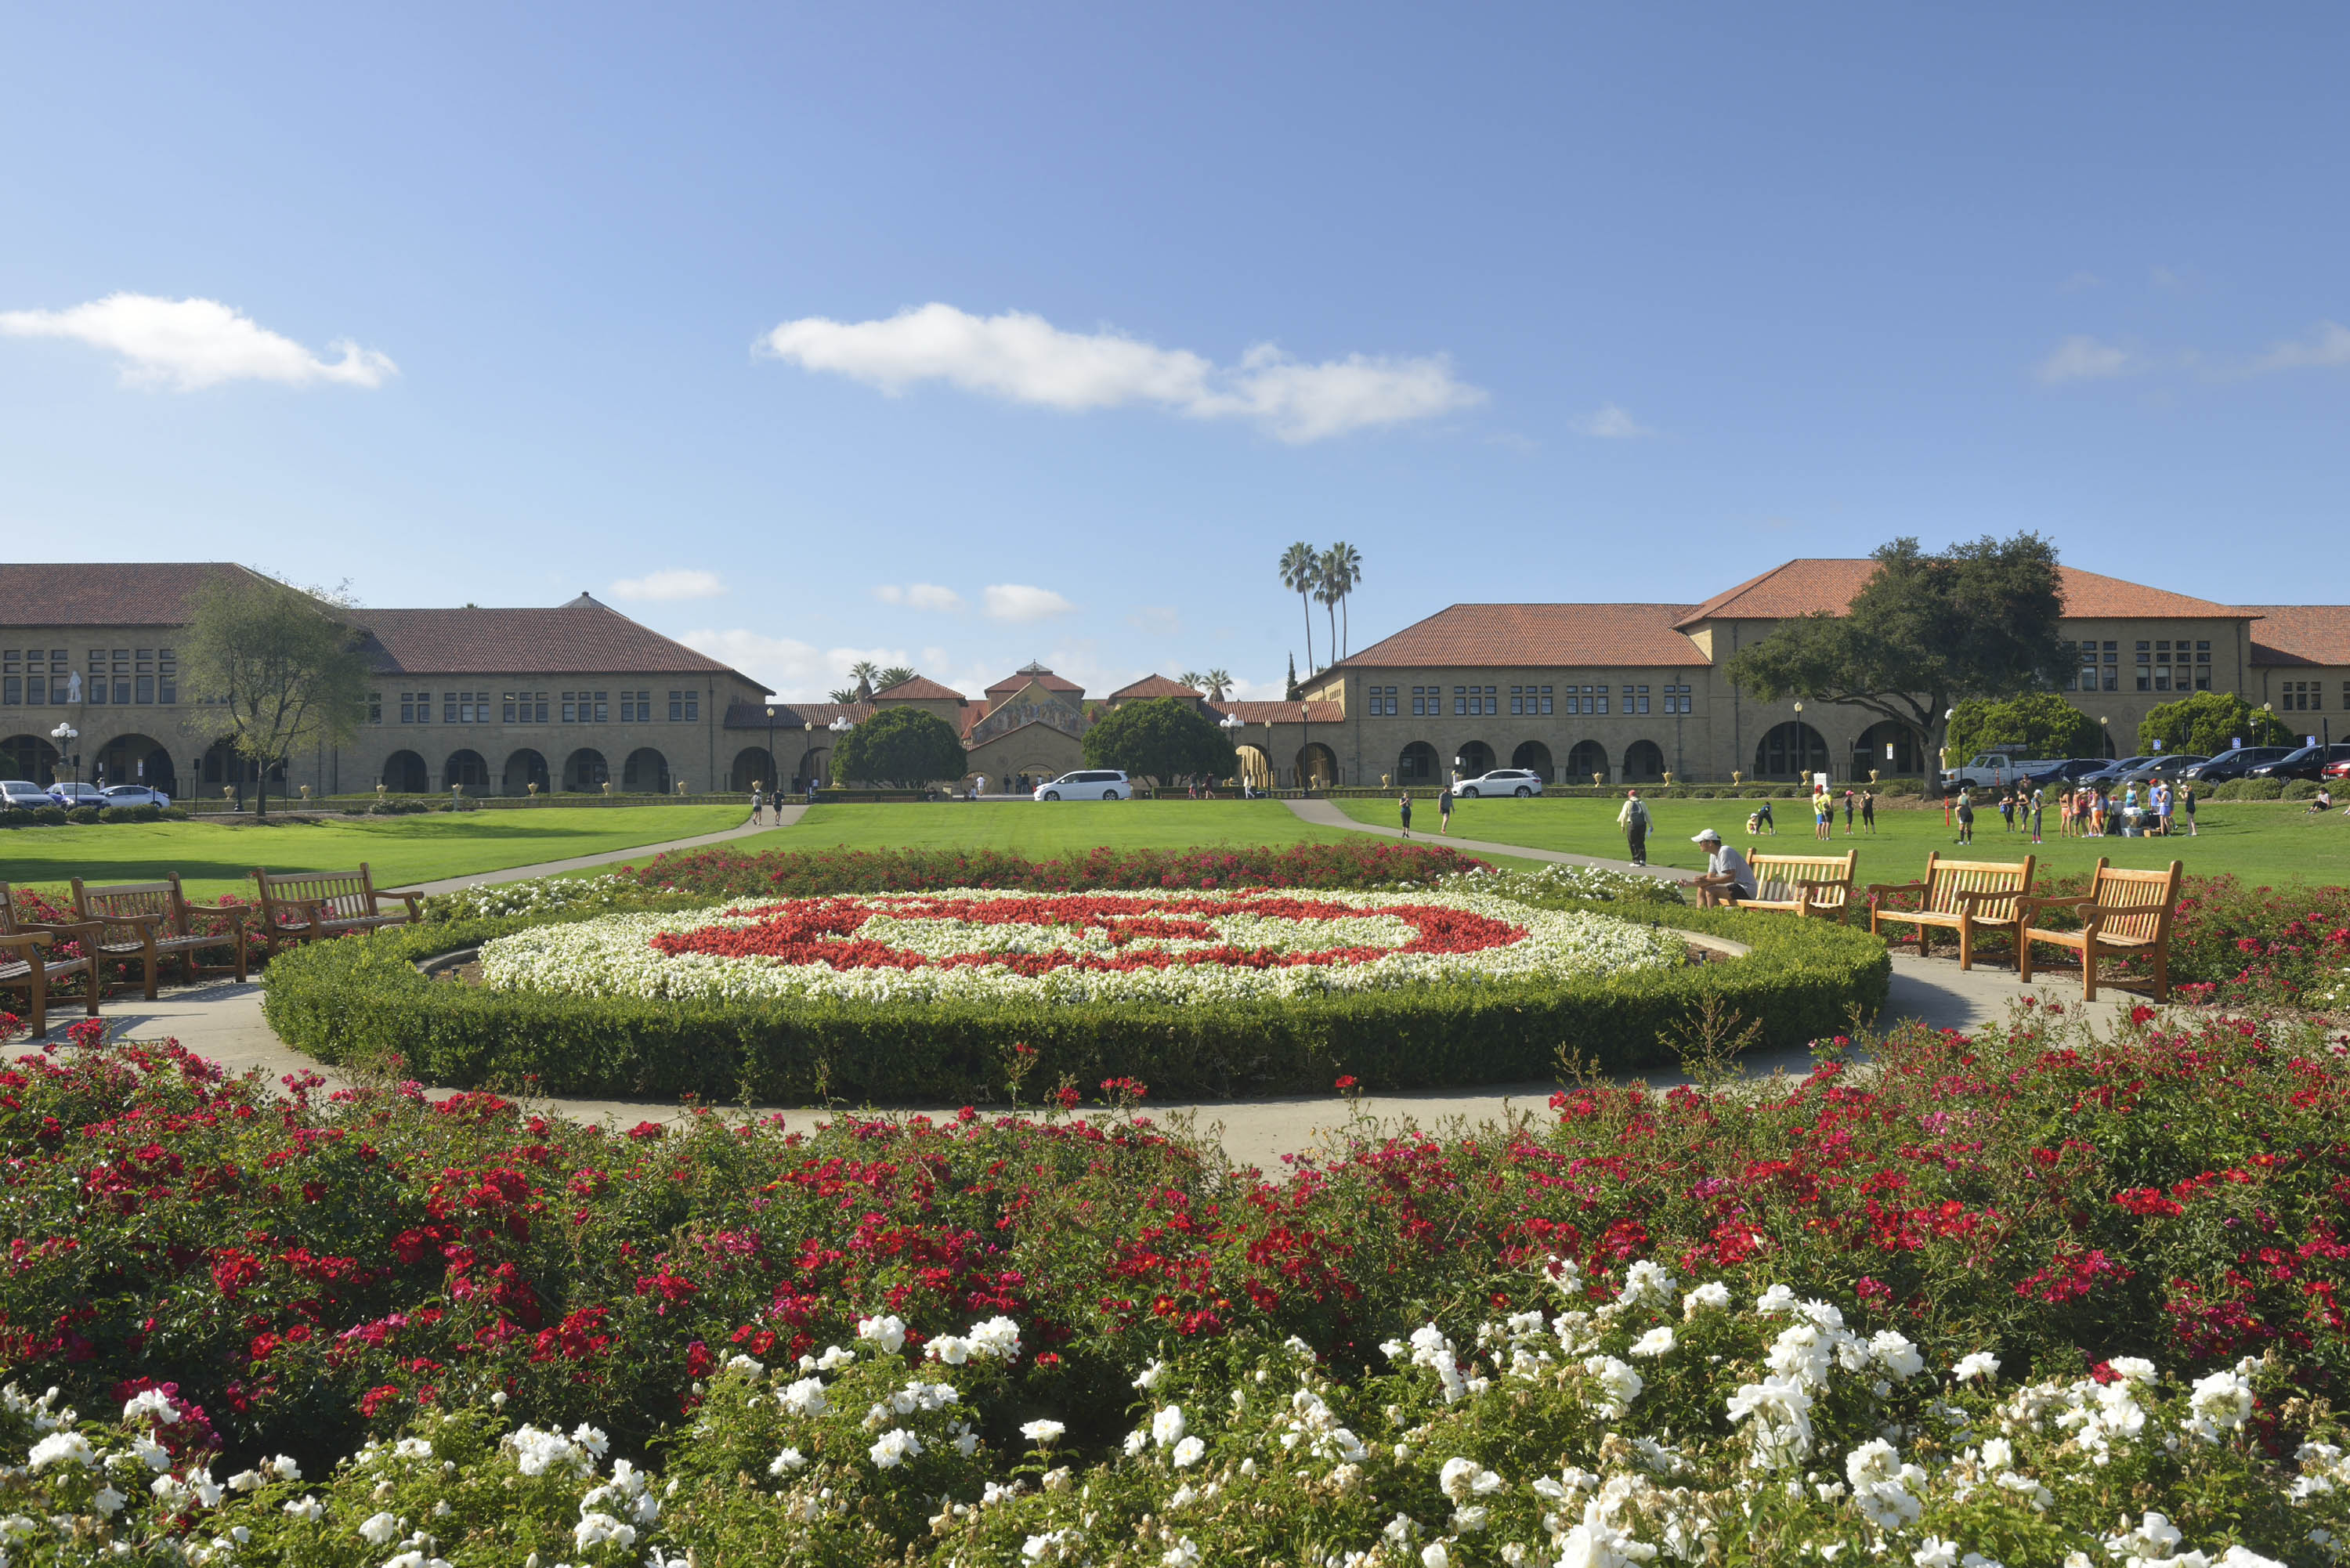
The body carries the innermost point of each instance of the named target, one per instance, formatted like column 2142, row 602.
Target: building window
column 147, row 689
column 1516, row 701
column 167, row 676
column 99, row 688
column 37, row 690
column 12, row 691
column 685, row 707
column 374, row 707
column 1676, row 700
column 2304, row 696
column 1545, row 699
column 1459, row 700
column 1639, row 695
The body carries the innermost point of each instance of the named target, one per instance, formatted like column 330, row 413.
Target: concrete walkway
column 1325, row 813
column 784, row 817
column 222, row 1020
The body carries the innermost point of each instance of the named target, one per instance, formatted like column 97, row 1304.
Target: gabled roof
column 1154, row 686
column 793, row 715
column 105, row 593
column 1281, row 712
column 920, row 689
column 1548, row 636
column 1813, row 583
column 1037, row 673
column 2300, row 634
column 573, row 640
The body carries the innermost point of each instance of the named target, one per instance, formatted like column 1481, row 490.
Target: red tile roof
column 1281, row 713
column 1813, row 583
column 792, row 715
column 920, row 689
column 1545, row 636
column 577, row 639
column 105, row 593
column 1154, row 686
column 1039, row 674
column 2300, row 634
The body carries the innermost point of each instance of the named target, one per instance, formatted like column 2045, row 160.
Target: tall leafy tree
column 1980, row 620
column 1216, row 682
column 1193, row 679
column 2208, row 722
column 864, row 670
column 1329, row 591
column 1347, row 561
column 1293, row 692
column 909, row 746
column 276, row 668
column 2038, row 724
column 1301, row 574
column 1163, row 738
column 895, row 675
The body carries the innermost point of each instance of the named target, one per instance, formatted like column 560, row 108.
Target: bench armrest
column 2031, row 906
column 90, row 930
column 1874, row 889
column 27, row 940
column 406, row 895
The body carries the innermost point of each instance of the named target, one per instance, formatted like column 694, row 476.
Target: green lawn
column 1048, row 830
column 213, row 858
column 2259, row 841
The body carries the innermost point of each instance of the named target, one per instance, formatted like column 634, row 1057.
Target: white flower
column 1150, row 1376
column 833, row 1358
column 1182, row 1554
column 59, row 1449
column 1711, row 1297
column 947, row 1347
column 2154, row 1537
column 1167, row 1425
column 108, row 1501
column 1780, row 1411
column 1896, row 1355
column 1999, row 1453
column 805, row 1398
column 1655, row 1341
column 1433, row 1555
column 1188, row 1452
column 595, row 1529
column 1462, row 1480
column 379, row 1528
column 413, row 1449
column 886, row 1332
column 1936, row 1553
column 997, row 1339
column 1042, row 1433
column 1137, row 1440
column 789, row 1460
column 149, row 1405
column 2133, row 1369
column 1644, row 1281
column 282, row 1467
column 306, row 1508
column 1976, row 1364
column 1048, row 1547
column 1618, row 1384
column 2223, row 1400
column 895, row 1447
column 746, row 1366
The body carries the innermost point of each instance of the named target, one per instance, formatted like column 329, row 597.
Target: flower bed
column 2024, row 1295
column 955, row 1033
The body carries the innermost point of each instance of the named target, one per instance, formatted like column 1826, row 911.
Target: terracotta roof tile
column 1813, row 583
column 574, row 640
column 1281, row 712
column 1039, row 674
column 105, row 593
column 920, row 689
column 791, row 715
column 1154, row 686
column 1547, row 635
column 2300, row 634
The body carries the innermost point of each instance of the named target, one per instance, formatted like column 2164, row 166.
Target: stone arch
column 1417, row 763
column 750, row 768
column 1907, row 758
column 1317, row 765
column 815, row 767
column 31, row 758
column 584, row 771
column 1532, row 756
column 404, row 772
column 1254, row 765
column 1470, row 758
column 468, row 768
column 1790, row 751
column 645, row 773
column 134, row 759
column 1588, row 757
column 523, row 769
column 1644, row 762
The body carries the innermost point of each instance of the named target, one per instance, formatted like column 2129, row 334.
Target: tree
column 896, row 675
column 1193, row 679
column 2210, row 722
column 1293, row 692
column 1301, row 574
column 1346, row 563
column 276, row 668
column 1329, row 591
column 2038, row 724
column 909, row 746
column 1163, row 738
column 1219, row 681
column 864, row 670
column 1977, row 621
column 843, row 695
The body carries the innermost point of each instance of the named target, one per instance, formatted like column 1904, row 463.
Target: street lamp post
column 1231, row 724
column 839, row 726
column 64, row 735
column 775, row 784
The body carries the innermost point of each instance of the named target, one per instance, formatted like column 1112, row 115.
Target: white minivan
column 1092, row 783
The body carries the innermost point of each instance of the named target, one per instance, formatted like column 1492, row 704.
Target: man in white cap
column 1728, row 878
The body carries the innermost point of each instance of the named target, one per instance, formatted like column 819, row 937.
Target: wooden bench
column 150, row 921
column 1803, row 885
column 1963, row 896
column 303, row 905
column 24, row 967
column 2125, row 914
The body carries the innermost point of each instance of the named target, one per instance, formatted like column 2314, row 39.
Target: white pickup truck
column 1992, row 770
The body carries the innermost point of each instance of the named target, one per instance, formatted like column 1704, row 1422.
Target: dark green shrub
column 130, row 814
column 2300, row 789
column 50, row 815
column 174, row 814
column 2263, row 789
column 2232, row 790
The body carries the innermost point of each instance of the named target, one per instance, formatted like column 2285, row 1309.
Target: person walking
column 758, row 803
column 1635, row 821
column 2187, row 806
column 1403, row 808
column 2039, row 804
column 1966, row 819
column 1727, row 876
column 1444, row 809
column 2007, row 808
column 1868, row 811
column 1823, row 812
column 2165, row 806
column 1849, row 803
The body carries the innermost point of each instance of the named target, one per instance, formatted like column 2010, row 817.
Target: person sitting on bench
column 1728, row 878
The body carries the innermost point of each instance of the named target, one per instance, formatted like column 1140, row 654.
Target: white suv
column 1500, row 781
column 1093, row 784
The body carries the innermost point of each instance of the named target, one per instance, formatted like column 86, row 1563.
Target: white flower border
column 613, row 956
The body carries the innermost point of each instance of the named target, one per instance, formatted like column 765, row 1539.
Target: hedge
column 361, row 1001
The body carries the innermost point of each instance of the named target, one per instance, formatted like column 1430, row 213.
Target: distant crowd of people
column 2153, row 810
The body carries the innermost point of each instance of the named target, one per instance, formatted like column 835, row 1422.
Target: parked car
column 24, row 795
column 73, row 794
column 135, row 795
column 1500, row 781
column 2340, row 770
column 2306, row 763
column 2072, row 770
column 1093, row 784
column 2238, row 764
column 2113, row 772
column 1992, row 770
column 2171, row 767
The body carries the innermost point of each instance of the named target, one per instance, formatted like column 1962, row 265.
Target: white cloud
column 678, row 583
column 918, row 595
column 799, row 671
column 1027, row 359
column 2327, row 347
column 1019, row 602
column 190, row 344
column 2084, row 359
column 1612, row 423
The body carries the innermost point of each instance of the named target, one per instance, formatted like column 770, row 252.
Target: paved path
column 1325, row 813
column 784, row 817
column 223, row 1020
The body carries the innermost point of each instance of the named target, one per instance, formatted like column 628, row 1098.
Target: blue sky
column 827, row 324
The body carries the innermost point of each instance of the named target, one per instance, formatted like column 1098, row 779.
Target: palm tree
column 1301, row 574
column 864, row 669
column 1192, row 678
column 1219, row 681
column 843, row 695
column 1349, row 566
column 1333, row 589
column 896, row 675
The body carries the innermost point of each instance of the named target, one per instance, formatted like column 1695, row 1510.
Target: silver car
column 135, row 795
column 1500, row 781
column 24, row 795
column 1089, row 784
column 73, row 794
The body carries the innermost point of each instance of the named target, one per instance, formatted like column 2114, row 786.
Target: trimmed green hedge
column 360, row 999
